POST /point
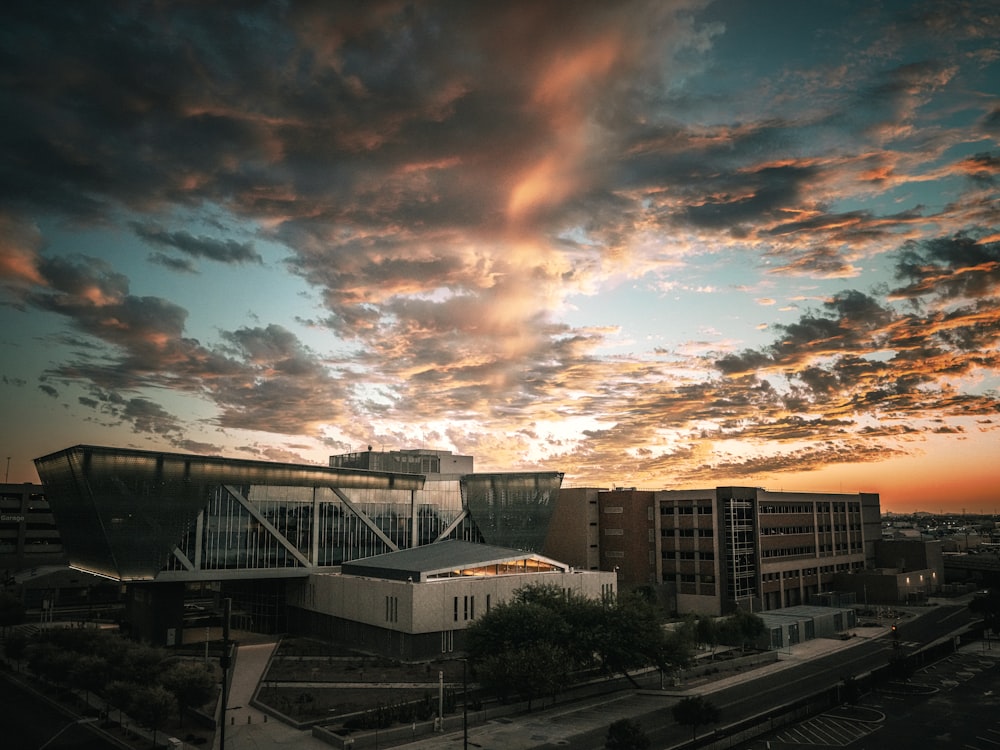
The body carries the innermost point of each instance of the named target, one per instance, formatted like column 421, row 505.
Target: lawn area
column 350, row 681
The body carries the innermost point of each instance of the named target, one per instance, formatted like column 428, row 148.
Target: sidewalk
column 246, row 726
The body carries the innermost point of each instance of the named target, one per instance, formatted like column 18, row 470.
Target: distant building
column 29, row 537
column 411, row 461
column 709, row 551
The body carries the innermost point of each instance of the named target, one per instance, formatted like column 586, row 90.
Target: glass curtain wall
column 740, row 533
column 513, row 510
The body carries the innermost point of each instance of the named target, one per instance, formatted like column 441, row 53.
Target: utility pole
column 227, row 610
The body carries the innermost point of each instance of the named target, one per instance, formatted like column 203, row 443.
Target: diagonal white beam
column 364, row 518
column 268, row 526
column 183, row 559
column 453, row 525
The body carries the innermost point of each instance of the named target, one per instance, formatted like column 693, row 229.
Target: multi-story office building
column 28, row 534
column 708, row 551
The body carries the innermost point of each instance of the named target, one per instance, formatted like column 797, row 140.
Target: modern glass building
column 135, row 515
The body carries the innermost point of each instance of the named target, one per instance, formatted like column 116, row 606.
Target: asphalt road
column 28, row 722
column 763, row 694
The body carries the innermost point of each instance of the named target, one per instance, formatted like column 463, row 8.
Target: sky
column 669, row 244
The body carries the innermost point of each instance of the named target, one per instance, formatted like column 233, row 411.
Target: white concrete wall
column 429, row 607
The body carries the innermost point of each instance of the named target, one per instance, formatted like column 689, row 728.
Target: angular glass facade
column 139, row 515
column 512, row 510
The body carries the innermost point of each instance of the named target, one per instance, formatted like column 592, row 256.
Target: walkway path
column 248, row 728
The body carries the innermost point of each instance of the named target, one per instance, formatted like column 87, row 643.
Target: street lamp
column 85, row 720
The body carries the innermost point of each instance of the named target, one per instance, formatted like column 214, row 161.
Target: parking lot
column 954, row 702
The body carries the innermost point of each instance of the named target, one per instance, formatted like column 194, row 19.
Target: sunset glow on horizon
column 655, row 244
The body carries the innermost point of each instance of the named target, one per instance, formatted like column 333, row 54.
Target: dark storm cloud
column 222, row 251
column 954, row 267
column 750, row 198
column 179, row 265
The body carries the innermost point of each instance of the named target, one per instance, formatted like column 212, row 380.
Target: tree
column 119, row 694
column 11, row 611
column 88, row 672
column 15, row 647
column 191, row 684
column 695, row 711
column 633, row 636
column 532, row 671
column 581, row 633
column 515, row 624
column 707, row 632
column 626, row 734
column 988, row 607
column 741, row 628
column 151, row 706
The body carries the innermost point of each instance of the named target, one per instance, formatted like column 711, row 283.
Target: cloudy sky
column 662, row 244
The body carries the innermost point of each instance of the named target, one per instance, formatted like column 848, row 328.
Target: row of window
column 669, row 554
column 838, row 507
column 827, row 527
column 841, row 547
column 707, row 533
column 795, row 508
column 685, row 510
column 782, row 530
column 789, row 551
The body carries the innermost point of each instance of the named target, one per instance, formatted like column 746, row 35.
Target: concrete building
column 28, row 534
column 904, row 571
column 169, row 525
column 417, row 603
column 709, row 551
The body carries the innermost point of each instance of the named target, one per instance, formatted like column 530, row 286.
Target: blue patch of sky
column 218, row 296
column 715, row 302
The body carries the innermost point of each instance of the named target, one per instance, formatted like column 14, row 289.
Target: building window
column 614, row 509
column 456, row 609
column 392, row 609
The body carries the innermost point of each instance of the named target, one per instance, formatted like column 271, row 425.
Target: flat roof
column 418, row 563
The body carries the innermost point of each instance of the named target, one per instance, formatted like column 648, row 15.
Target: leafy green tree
column 151, row 706
column 191, row 684
column 532, row 671
column 88, row 672
column 616, row 635
column 695, row 711
column 50, row 661
column 15, row 647
column 633, row 636
column 11, row 611
column 119, row 694
column 626, row 734
column 987, row 606
column 515, row 625
column 140, row 663
column 707, row 630
column 741, row 628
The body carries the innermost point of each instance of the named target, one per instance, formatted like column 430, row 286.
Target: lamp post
column 465, row 704
column 227, row 610
column 50, row 740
